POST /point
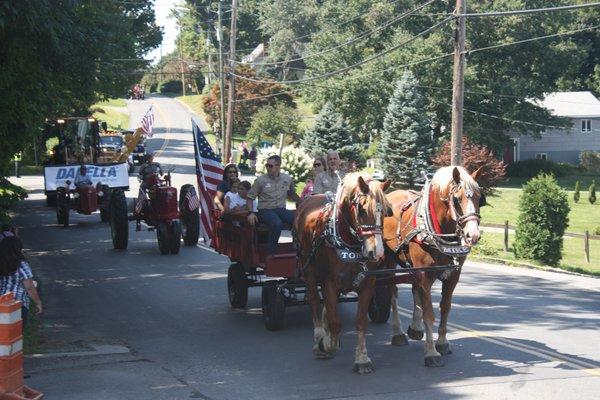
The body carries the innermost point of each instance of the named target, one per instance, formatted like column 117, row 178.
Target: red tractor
column 84, row 199
column 160, row 209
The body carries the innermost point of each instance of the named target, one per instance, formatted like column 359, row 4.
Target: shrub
column 10, row 195
column 576, row 195
column 597, row 230
column 484, row 248
column 534, row 167
column 153, row 87
column 543, row 219
column 294, row 162
column 592, row 192
column 590, row 161
column 475, row 156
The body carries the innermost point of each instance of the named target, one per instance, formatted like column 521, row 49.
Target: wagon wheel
column 273, row 307
column 237, row 286
column 379, row 307
column 163, row 236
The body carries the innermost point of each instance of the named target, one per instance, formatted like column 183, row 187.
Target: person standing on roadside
column 327, row 181
column 16, row 275
column 272, row 190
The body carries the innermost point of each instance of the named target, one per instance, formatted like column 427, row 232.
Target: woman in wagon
column 328, row 180
column 319, row 166
column 230, row 172
column 272, row 190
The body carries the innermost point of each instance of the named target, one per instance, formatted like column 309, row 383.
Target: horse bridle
column 452, row 200
column 363, row 231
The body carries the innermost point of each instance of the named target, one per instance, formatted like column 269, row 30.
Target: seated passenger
column 148, row 169
column 271, row 190
column 81, row 179
column 229, row 172
column 327, row 181
column 232, row 200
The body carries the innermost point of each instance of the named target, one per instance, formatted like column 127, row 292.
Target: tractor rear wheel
column 62, row 207
column 380, row 306
column 175, row 237
column 104, row 204
column 119, row 225
column 190, row 220
column 163, row 235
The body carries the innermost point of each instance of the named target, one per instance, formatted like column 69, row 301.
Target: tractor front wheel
column 190, row 220
column 175, row 237
column 163, row 235
column 119, row 224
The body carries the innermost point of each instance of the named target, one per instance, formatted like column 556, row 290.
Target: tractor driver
column 272, row 190
column 148, row 169
column 81, row 179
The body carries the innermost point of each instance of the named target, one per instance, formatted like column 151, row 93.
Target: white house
column 256, row 57
column 562, row 145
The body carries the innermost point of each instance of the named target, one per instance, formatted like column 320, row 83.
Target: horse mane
column 444, row 176
column 350, row 183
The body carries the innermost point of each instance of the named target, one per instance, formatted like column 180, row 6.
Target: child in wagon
column 237, row 197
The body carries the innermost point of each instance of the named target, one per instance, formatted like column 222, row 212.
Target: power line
column 348, row 42
column 513, row 120
column 530, row 11
column 349, row 67
column 531, row 39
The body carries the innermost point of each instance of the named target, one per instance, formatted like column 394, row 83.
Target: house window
column 586, row 125
column 541, row 156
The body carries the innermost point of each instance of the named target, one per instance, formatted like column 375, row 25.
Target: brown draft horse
column 454, row 199
column 352, row 223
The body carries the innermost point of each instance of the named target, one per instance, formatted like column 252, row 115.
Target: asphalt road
column 138, row 325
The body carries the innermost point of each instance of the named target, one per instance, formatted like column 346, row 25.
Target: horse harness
column 425, row 224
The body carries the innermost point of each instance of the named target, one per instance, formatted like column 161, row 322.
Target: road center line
column 168, row 134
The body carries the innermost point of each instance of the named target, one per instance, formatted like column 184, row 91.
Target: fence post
column 506, row 236
column 587, row 246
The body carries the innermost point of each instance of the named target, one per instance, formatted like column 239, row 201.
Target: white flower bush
column 294, row 162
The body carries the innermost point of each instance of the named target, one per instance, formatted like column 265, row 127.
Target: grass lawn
column 492, row 246
column 505, row 206
column 306, row 113
column 566, row 182
column 113, row 112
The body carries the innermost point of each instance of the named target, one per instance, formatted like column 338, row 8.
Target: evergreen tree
column 576, row 195
column 406, row 143
column 592, row 192
column 331, row 132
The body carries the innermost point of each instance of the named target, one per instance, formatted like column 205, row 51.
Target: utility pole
column 181, row 64
column 221, row 75
column 458, row 84
column 231, row 95
column 209, row 60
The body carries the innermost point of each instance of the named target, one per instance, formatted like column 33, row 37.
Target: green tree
column 543, row 219
column 592, row 192
column 577, row 194
column 270, row 121
column 406, row 145
column 331, row 132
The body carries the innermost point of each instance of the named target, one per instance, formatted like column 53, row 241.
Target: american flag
column 209, row 172
column 192, row 202
column 148, row 122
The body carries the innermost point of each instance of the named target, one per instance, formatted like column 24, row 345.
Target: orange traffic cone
column 11, row 352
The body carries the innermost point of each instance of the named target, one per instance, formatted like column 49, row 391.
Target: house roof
column 572, row 104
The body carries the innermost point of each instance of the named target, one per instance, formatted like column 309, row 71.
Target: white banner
column 114, row 175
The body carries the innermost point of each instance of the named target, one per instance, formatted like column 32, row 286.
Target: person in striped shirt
column 16, row 275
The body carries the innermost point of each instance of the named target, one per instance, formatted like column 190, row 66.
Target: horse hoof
column 363, row 368
column 399, row 340
column 320, row 352
column 434, row 361
column 415, row 335
column 443, row 349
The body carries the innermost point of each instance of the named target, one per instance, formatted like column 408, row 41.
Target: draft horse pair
column 418, row 231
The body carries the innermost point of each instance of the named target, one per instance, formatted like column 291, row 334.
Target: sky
column 162, row 8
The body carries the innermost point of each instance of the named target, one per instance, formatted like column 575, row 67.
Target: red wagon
column 279, row 275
